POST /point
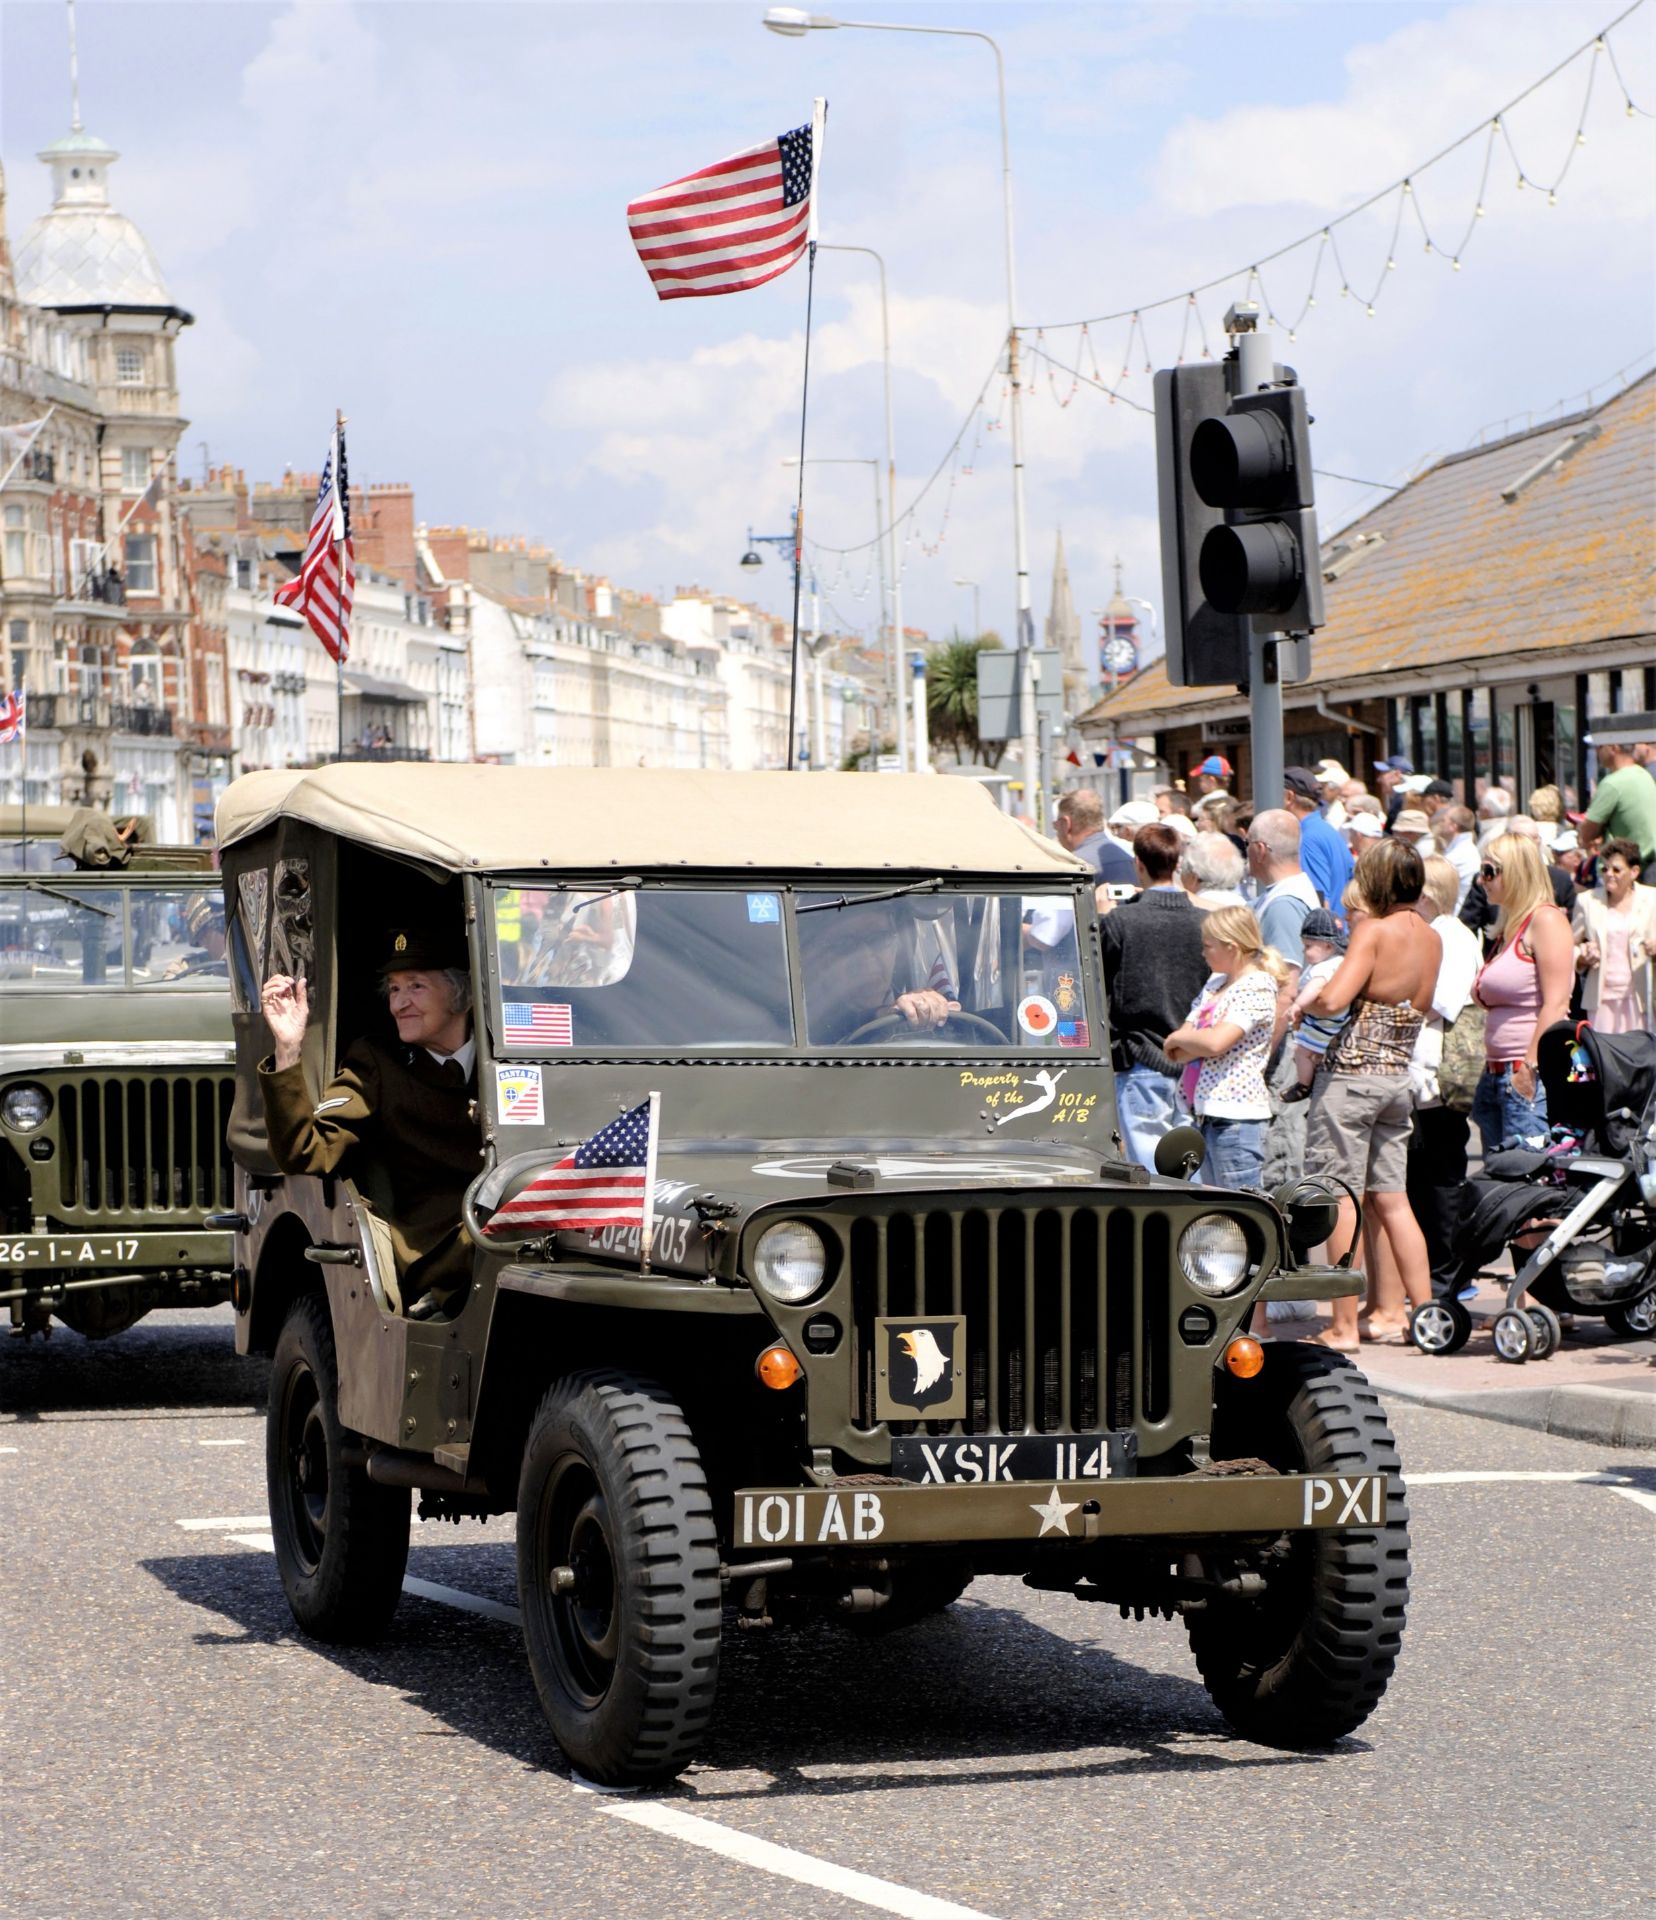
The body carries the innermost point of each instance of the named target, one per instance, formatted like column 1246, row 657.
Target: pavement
column 174, row 1746
column 1596, row 1387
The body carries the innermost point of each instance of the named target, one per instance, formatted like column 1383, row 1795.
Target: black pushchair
column 1593, row 1182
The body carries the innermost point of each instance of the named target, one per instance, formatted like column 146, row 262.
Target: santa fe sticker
column 920, row 1369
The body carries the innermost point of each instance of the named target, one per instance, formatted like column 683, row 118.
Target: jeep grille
column 154, row 1144
column 1067, row 1311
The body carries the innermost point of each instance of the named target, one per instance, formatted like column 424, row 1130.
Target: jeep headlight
column 26, row 1107
column 1213, row 1250
column 790, row 1262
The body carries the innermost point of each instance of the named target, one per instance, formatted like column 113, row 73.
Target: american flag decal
column 605, row 1182
column 529, row 1023
column 325, row 585
column 730, row 226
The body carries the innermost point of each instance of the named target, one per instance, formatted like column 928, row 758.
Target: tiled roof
column 1448, row 569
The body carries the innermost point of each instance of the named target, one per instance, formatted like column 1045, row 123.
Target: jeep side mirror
column 1179, row 1153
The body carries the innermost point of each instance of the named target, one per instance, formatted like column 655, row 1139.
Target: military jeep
column 115, row 1074
column 898, row 1311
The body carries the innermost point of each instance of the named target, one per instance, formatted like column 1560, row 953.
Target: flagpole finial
column 74, row 75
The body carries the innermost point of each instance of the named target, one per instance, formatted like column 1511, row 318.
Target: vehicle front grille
column 152, row 1144
column 1067, row 1311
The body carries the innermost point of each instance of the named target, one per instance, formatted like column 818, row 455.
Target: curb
column 1607, row 1416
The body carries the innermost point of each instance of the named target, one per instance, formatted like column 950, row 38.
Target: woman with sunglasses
column 1524, row 985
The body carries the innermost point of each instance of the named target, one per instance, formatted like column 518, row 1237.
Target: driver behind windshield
column 853, row 980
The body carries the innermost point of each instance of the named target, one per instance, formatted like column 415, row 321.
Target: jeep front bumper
column 1080, row 1510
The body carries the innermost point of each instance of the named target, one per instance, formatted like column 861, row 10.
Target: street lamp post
column 850, row 460
column 787, row 543
column 977, row 610
column 793, row 23
column 894, row 573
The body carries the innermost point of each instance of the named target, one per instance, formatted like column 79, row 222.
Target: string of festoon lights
column 1080, row 366
column 1404, row 200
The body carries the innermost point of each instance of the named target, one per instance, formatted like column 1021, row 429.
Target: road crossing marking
column 223, row 1526
column 786, row 1862
column 221, row 1443
column 1485, row 1476
column 453, row 1597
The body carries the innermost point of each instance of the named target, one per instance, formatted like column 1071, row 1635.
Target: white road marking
column 1638, row 1496
column 11, row 1449
column 787, row 1863
column 1488, row 1477
column 467, row 1602
column 223, row 1526
column 260, row 1542
column 221, row 1443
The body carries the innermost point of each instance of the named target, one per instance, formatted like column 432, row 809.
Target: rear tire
column 1308, row 1662
column 618, row 1578
column 341, row 1541
column 1633, row 1319
column 1440, row 1326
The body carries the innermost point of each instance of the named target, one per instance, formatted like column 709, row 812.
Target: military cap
column 425, row 950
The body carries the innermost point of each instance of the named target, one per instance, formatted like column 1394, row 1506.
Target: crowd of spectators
column 1306, row 981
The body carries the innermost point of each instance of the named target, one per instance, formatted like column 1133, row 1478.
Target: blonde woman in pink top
column 1525, row 987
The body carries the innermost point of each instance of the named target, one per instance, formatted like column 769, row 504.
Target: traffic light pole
column 1255, row 370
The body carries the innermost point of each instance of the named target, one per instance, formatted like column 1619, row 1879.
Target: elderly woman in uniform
column 403, row 1111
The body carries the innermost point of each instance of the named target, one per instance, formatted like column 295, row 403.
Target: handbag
column 1193, row 1068
column 1462, row 1064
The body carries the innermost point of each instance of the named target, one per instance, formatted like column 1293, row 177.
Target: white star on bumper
column 1054, row 1513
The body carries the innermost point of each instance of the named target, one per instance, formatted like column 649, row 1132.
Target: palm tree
column 952, row 699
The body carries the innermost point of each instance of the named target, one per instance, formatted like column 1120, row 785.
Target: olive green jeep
column 115, row 1074
column 862, row 1298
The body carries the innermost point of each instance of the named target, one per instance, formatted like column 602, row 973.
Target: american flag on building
column 525, row 1023
column 605, row 1182
column 730, row 226
column 11, row 718
column 325, row 584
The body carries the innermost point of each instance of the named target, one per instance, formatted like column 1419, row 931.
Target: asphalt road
column 168, row 1745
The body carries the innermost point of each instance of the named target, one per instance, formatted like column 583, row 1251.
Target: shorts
column 1358, row 1129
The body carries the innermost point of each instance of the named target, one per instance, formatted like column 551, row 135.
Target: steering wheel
column 888, row 1025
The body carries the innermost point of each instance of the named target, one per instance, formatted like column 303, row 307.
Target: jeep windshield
column 56, row 936
column 702, row 970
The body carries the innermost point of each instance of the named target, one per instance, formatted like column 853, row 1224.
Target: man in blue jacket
column 1324, row 855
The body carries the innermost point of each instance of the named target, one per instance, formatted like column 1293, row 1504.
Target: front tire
column 1307, row 1663
column 618, row 1578
column 341, row 1541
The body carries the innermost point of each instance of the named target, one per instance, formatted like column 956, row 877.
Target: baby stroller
column 1593, row 1182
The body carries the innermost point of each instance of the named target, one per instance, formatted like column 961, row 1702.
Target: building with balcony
column 95, row 585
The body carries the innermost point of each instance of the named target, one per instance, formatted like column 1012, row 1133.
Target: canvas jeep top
column 902, row 1311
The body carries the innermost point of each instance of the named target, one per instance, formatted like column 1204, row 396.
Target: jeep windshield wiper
column 867, row 899
column 73, row 900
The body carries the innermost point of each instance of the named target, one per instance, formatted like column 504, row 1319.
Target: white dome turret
column 83, row 253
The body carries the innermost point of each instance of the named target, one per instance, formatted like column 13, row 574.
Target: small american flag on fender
column 524, row 1022
column 605, row 1182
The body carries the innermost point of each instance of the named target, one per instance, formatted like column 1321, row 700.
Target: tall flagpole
column 339, row 657
column 819, row 116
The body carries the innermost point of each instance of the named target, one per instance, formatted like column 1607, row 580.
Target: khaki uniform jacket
column 390, row 1122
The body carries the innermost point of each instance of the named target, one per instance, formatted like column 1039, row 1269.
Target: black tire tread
column 1344, row 1654
column 351, row 1597
column 674, row 1635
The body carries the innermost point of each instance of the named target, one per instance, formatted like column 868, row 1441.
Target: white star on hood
column 1054, row 1513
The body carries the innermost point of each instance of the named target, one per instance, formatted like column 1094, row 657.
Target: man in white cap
column 1331, row 778
column 1413, row 828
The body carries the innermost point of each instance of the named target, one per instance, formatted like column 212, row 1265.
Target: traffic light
column 1252, row 463
column 1205, row 648
column 1238, row 533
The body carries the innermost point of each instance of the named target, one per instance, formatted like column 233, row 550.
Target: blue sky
column 417, row 212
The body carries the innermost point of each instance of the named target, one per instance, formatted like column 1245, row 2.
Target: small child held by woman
column 1324, row 949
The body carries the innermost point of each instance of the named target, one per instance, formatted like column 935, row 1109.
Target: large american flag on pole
column 605, row 1182
column 325, row 584
column 730, row 226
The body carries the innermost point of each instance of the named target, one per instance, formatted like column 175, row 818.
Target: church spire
column 1063, row 631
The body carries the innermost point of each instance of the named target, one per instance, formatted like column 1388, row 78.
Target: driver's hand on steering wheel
column 925, row 1008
